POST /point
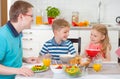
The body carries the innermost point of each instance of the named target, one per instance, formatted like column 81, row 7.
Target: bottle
column 75, row 18
column 39, row 17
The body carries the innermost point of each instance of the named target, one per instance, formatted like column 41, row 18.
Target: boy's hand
column 32, row 60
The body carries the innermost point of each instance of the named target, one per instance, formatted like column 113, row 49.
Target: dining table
column 110, row 70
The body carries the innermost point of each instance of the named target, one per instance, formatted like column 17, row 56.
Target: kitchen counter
column 48, row 27
column 109, row 71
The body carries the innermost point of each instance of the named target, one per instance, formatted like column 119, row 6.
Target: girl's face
column 96, row 37
column 63, row 33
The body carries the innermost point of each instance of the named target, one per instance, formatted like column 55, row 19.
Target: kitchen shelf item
column 75, row 17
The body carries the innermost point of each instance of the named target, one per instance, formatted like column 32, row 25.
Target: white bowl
column 66, row 58
column 55, row 70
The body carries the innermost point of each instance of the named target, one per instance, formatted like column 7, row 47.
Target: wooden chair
column 76, row 40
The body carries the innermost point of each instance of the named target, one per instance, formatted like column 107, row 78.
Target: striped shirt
column 51, row 47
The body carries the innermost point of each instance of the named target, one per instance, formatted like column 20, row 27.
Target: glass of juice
column 97, row 64
column 46, row 60
column 38, row 20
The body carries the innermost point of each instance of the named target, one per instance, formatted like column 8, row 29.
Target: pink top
column 94, row 46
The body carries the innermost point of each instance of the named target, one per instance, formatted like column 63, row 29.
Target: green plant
column 52, row 11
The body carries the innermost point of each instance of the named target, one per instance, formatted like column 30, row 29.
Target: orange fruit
column 86, row 23
column 81, row 23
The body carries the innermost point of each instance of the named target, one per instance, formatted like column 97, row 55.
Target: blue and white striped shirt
column 51, row 47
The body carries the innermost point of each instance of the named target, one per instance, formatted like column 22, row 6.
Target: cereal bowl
column 57, row 68
column 92, row 52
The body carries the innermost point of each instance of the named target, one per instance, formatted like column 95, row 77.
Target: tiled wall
column 88, row 9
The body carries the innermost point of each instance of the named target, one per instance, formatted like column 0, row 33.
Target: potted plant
column 52, row 13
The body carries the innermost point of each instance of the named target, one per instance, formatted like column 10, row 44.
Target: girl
column 99, row 40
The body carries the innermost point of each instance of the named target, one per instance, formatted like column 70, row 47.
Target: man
column 21, row 17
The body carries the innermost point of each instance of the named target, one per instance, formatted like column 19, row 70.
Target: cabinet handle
column 27, row 32
column 27, row 49
column 27, row 39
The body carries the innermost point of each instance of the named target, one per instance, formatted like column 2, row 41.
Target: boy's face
column 62, row 34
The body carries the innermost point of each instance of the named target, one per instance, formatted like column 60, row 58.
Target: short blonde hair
column 59, row 23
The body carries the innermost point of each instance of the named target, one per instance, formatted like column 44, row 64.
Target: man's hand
column 24, row 71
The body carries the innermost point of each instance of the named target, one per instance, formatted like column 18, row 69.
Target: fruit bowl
column 73, row 71
column 92, row 52
column 57, row 68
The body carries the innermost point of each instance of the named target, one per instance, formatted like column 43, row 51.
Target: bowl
column 92, row 52
column 66, row 58
column 57, row 68
column 73, row 71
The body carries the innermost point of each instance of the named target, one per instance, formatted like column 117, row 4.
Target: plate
column 39, row 68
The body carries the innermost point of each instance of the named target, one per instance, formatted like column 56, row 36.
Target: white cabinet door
column 30, row 43
column 33, row 40
column 85, row 38
column 44, row 35
column 73, row 34
column 114, row 40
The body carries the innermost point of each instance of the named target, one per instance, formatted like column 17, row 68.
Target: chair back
column 76, row 40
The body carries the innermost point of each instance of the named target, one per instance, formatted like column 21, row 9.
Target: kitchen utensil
column 118, row 19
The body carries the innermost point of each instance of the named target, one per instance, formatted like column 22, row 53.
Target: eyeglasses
column 28, row 15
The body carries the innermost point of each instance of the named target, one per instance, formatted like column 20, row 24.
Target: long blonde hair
column 105, row 42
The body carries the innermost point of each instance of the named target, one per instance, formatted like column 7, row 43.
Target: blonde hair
column 59, row 23
column 105, row 42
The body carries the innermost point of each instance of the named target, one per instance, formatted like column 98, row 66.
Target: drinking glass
column 46, row 60
column 56, row 62
column 97, row 64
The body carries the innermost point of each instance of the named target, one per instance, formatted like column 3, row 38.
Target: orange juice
column 97, row 67
column 46, row 62
column 38, row 20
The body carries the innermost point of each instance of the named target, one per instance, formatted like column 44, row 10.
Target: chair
column 76, row 40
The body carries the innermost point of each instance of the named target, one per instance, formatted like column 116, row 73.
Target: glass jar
column 75, row 17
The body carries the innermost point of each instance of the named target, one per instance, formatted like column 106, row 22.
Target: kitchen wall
column 88, row 9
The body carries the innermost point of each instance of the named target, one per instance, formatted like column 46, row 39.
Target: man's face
column 28, row 19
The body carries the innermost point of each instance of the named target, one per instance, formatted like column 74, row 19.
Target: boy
column 59, row 45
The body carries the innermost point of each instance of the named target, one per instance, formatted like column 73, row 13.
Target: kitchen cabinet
column 34, row 38
column 33, row 41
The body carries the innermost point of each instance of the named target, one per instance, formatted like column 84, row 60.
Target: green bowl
column 73, row 71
